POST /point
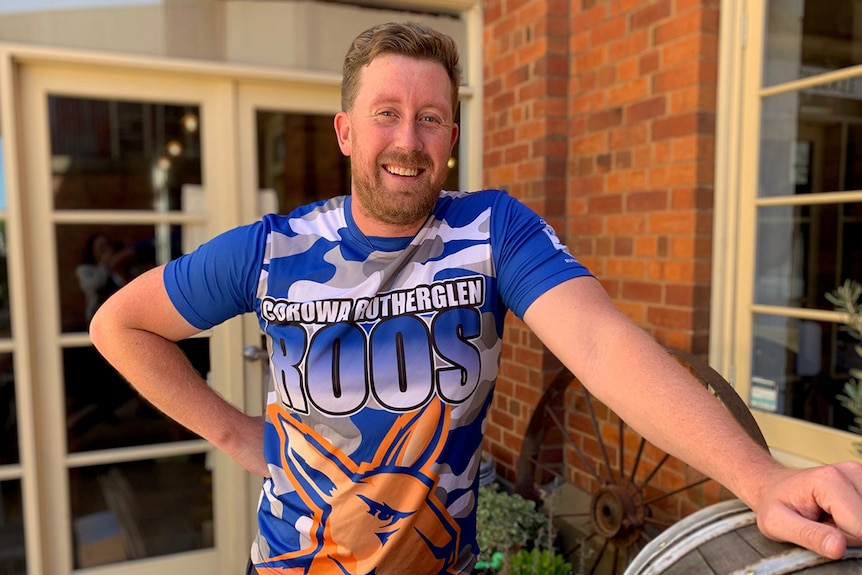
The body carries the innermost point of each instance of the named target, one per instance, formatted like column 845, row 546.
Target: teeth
column 402, row 171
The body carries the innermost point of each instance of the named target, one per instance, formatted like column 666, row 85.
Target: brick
column 632, row 44
column 625, row 268
column 640, row 291
column 673, row 175
column 628, row 92
column 651, row 14
column 604, row 119
column 608, row 31
column 661, row 223
column 646, row 110
column 623, row 246
column 648, row 63
column 626, row 223
column 645, row 201
column 683, row 125
column 675, row 77
column 606, row 204
column 625, row 181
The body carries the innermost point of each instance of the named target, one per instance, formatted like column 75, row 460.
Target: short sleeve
column 218, row 280
column 529, row 256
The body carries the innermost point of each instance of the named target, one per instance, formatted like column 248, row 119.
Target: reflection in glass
column 806, row 251
column 115, row 155
column 93, row 261
column 8, row 413
column 141, row 509
column 103, row 411
column 799, row 367
column 12, row 556
column 810, row 37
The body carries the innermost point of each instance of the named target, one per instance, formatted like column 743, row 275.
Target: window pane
column 12, row 558
column 803, row 252
column 141, row 509
column 810, row 143
column 115, row 155
column 810, row 37
column 8, row 414
column 799, row 367
column 103, row 411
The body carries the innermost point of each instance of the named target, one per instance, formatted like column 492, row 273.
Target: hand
column 246, row 446
column 818, row 508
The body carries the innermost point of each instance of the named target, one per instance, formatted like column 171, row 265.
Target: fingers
column 786, row 524
column 819, row 509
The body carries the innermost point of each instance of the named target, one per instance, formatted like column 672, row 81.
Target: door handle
column 254, row 353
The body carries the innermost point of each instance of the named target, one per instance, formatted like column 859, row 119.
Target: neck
column 372, row 227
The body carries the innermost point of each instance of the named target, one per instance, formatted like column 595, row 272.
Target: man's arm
column 136, row 330
column 633, row 375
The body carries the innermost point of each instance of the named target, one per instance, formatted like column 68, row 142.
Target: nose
column 408, row 136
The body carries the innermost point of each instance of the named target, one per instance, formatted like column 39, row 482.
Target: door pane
column 123, row 156
column 810, row 37
column 94, row 260
column 12, row 560
column 115, row 155
column 8, row 413
column 799, row 367
column 806, row 251
column 141, row 509
column 298, row 160
column 104, row 412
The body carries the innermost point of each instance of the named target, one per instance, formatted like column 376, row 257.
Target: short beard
column 402, row 207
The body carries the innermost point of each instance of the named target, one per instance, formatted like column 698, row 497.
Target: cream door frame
column 740, row 97
column 30, row 74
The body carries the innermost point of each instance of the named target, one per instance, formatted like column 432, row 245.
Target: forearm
column 662, row 401
column 139, row 342
column 628, row 371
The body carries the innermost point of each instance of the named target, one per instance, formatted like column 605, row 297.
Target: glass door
column 123, row 171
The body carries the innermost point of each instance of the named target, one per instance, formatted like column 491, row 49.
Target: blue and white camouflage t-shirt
column 383, row 357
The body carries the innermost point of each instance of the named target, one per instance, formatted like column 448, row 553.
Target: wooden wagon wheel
column 614, row 466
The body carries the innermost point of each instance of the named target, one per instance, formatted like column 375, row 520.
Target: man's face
column 399, row 136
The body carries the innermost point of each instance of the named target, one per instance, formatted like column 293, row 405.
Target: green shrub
column 506, row 522
column 538, row 562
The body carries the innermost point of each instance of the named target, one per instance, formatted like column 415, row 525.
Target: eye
column 431, row 119
column 383, row 512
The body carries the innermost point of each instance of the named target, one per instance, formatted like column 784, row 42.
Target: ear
column 342, row 132
column 454, row 137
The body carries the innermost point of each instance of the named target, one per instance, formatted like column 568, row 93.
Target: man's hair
column 408, row 39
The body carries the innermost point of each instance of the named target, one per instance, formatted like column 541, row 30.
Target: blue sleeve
column 219, row 279
column 530, row 259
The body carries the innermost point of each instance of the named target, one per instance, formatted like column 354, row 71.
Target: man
column 383, row 313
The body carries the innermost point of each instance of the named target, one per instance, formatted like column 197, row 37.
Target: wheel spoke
column 675, row 491
column 574, row 445
column 641, row 445
column 654, row 471
column 622, row 447
column 598, row 432
column 599, row 556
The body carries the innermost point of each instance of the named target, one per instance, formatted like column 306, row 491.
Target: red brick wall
column 600, row 115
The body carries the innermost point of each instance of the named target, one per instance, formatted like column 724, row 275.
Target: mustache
column 417, row 159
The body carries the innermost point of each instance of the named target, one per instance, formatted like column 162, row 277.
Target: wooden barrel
column 723, row 539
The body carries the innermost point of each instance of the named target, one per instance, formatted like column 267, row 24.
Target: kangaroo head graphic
column 376, row 518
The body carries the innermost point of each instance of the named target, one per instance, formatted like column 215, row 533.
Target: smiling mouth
column 402, row 170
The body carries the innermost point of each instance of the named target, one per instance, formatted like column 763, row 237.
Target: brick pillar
column 600, row 115
column 643, row 88
column 526, row 151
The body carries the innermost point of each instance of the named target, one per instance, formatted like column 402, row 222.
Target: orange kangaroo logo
column 375, row 518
